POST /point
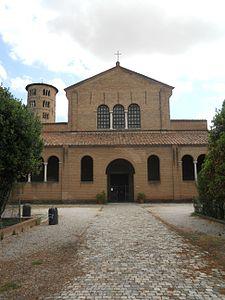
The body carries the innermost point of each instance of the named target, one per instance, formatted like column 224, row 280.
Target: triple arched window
column 153, row 168
column 46, row 92
column 119, row 118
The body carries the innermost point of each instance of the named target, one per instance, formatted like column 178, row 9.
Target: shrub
column 101, row 198
column 141, row 197
column 211, row 179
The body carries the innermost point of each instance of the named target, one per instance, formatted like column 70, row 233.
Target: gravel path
column 129, row 254
column 180, row 216
column 72, row 222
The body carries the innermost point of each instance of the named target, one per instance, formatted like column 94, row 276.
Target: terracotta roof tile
column 128, row 138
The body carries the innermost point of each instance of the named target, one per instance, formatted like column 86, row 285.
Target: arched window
column 134, row 116
column 87, row 168
column 103, row 117
column 153, row 168
column 43, row 91
column 118, row 117
column 39, row 176
column 48, row 93
column 46, row 103
column 200, row 161
column 53, row 169
column 187, row 167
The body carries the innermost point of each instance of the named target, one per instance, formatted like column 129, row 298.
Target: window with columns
column 153, row 168
column 53, row 169
column 87, row 168
column 188, row 168
column 118, row 117
column 103, row 117
column 134, row 116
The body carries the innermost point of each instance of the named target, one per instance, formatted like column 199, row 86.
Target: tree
column 20, row 143
column 211, row 180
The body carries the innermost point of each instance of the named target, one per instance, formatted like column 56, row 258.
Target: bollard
column 26, row 213
column 53, row 216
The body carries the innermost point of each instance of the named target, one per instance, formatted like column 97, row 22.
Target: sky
column 180, row 43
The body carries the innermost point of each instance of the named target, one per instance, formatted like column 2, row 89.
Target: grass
column 8, row 222
column 214, row 245
column 37, row 262
column 9, row 286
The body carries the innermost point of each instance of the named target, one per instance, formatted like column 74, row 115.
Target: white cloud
column 144, row 29
column 18, row 84
column 61, row 100
column 216, row 87
column 80, row 37
column 176, row 42
column 3, row 73
column 209, row 109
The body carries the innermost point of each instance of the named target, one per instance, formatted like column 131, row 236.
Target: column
column 126, row 123
column 45, row 171
column 195, row 170
column 29, row 178
column 111, row 119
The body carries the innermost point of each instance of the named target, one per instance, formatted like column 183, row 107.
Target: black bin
column 53, row 216
column 26, row 213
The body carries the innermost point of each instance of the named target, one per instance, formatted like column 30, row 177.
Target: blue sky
column 181, row 43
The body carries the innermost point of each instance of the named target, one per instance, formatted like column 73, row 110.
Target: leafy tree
column 20, row 143
column 211, row 180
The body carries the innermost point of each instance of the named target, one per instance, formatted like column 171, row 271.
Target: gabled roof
column 126, row 138
column 122, row 68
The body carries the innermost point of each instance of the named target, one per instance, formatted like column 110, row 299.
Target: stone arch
column 120, row 180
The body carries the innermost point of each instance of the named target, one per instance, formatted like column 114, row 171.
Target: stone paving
column 128, row 254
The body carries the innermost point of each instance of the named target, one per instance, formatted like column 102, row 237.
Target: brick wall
column 55, row 127
column 119, row 87
column 70, row 187
column 188, row 124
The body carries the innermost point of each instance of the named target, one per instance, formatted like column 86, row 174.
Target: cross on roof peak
column 118, row 57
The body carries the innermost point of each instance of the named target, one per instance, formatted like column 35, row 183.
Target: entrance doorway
column 120, row 181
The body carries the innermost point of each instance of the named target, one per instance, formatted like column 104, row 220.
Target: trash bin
column 26, row 213
column 53, row 216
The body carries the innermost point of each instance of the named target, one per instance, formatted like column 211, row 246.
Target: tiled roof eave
column 126, row 139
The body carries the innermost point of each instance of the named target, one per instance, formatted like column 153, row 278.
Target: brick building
column 119, row 138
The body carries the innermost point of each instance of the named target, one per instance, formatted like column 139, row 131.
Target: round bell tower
column 41, row 99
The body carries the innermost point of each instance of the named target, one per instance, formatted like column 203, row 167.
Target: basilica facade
column 119, row 138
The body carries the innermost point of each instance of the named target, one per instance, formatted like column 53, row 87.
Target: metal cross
column 118, row 55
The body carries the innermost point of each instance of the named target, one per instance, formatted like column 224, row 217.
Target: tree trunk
column 5, row 190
